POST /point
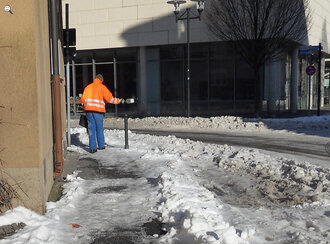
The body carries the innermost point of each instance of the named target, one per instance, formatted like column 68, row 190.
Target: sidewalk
column 184, row 190
column 91, row 170
column 71, row 162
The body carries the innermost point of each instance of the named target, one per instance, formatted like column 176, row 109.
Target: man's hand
column 122, row 100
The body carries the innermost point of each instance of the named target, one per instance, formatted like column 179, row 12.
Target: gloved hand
column 122, row 101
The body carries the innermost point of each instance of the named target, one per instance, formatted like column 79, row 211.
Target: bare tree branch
column 260, row 30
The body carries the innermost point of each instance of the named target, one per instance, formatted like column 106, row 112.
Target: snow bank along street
column 314, row 125
column 201, row 193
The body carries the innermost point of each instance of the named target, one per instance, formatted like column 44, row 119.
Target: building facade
column 141, row 51
column 26, row 119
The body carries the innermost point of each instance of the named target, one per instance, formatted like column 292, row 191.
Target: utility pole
column 319, row 82
column 186, row 15
column 68, row 102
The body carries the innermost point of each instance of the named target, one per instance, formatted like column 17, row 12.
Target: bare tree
column 259, row 29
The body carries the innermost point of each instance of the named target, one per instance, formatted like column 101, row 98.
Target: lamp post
column 187, row 15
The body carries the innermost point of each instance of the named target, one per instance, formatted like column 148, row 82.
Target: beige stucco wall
column 320, row 28
column 123, row 23
column 26, row 116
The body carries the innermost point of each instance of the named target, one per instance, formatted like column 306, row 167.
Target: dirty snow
column 201, row 193
column 315, row 125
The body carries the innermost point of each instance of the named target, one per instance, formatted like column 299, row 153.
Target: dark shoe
column 93, row 151
column 101, row 148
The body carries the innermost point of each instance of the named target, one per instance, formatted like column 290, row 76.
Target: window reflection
column 105, row 64
column 220, row 80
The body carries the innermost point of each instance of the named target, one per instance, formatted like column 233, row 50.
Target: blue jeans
column 95, row 129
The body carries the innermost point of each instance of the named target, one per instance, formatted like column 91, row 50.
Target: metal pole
column 68, row 102
column 94, row 68
column 188, row 61
column 309, row 93
column 319, row 82
column 55, row 39
column 74, row 87
column 234, row 81
column 294, row 80
column 115, row 82
column 56, row 82
column 126, row 131
column 208, row 80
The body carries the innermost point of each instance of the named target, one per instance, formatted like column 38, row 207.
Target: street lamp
column 187, row 15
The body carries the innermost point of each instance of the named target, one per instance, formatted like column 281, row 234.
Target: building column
column 294, row 80
column 142, row 81
column 271, row 77
column 94, row 69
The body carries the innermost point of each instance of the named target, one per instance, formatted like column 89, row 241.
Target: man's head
column 100, row 77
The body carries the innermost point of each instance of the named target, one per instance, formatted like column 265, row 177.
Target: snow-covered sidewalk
column 202, row 193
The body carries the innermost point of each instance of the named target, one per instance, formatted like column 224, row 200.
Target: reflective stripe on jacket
column 96, row 95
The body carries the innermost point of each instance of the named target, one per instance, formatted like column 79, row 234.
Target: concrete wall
column 26, row 117
column 122, row 23
column 320, row 28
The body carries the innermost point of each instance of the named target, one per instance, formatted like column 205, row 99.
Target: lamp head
column 199, row 5
column 176, row 4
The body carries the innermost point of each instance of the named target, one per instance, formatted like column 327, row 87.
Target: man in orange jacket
column 93, row 99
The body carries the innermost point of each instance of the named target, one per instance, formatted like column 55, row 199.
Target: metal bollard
column 126, row 131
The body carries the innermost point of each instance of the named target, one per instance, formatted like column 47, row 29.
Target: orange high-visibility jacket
column 95, row 95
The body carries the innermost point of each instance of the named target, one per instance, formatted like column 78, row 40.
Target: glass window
column 172, row 88
column 171, row 80
column 104, row 55
column 84, row 76
column 199, row 89
column 221, row 79
column 199, row 50
column 221, row 50
column 126, row 54
column 199, row 80
column 326, row 91
column 126, row 83
column 84, row 57
column 171, row 52
column 244, row 80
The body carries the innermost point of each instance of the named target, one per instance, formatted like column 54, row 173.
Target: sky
column 200, row 192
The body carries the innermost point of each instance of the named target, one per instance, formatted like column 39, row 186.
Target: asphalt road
column 311, row 147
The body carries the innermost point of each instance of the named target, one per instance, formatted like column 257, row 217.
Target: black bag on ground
column 83, row 121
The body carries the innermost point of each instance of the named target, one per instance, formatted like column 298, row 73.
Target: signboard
column 72, row 37
column 303, row 50
column 308, row 48
column 310, row 70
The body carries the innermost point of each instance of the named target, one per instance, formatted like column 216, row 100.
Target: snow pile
column 191, row 213
column 38, row 229
column 224, row 122
column 281, row 181
column 202, row 193
column 301, row 124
